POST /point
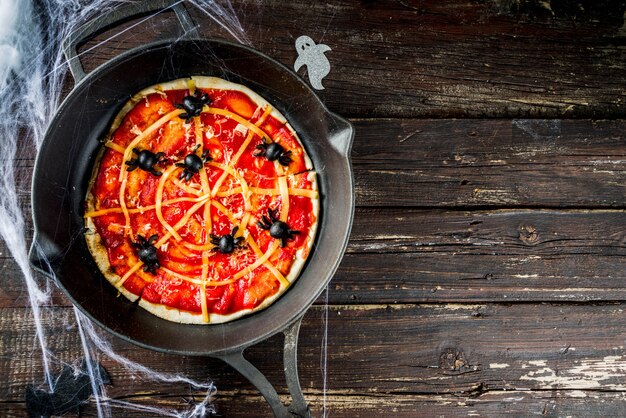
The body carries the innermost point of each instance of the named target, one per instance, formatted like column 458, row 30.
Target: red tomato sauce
column 224, row 138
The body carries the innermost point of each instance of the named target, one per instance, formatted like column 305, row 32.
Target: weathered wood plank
column 465, row 350
column 245, row 404
column 499, row 163
column 402, row 255
column 437, row 59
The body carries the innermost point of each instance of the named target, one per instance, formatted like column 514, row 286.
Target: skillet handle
column 43, row 253
column 341, row 134
column 298, row 407
column 115, row 17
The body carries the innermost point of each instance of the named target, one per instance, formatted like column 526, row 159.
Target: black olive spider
column 273, row 151
column 192, row 105
column 193, row 163
column 226, row 244
column 278, row 229
column 146, row 160
column 147, row 253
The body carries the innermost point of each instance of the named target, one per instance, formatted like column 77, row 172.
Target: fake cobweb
column 33, row 80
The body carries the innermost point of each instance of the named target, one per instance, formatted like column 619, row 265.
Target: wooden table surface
column 486, row 270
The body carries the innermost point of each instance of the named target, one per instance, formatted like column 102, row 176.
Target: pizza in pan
column 203, row 203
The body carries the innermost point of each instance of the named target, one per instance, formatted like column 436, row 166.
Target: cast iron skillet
column 65, row 161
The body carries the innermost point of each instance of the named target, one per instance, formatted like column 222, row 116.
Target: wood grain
column 475, row 354
column 244, row 404
column 490, row 163
column 492, row 58
column 402, row 255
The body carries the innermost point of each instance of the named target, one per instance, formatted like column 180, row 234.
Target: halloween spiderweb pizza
column 203, row 203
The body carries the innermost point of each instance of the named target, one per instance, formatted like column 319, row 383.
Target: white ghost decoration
column 313, row 57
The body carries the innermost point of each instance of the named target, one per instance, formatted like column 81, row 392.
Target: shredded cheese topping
column 205, row 197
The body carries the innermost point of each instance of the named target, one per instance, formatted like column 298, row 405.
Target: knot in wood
column 528, row 234
column 452, row 361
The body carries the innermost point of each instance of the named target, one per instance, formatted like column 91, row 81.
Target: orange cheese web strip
column 127, row 152
column 185, row 187
column 96, row 213
column 204, row 180
column 181, row 276
column 257, row 190
column 261, row 260
column 180, row 223
column 266, row 113
column 231, row 218
column 133, row 269
column 284, row 197
column 233, row 161
column 197, row 247
column 191, row 85
column 247, row 236
column 122, row 199
column 225, row 211
column 149, row 130
column 159, row 201
column 268, row 265
column 223, row 112
column 258, row 262
column 244, row 185
column 206, row 188
column 242, row 148
column 205, row 272
column 292, row 192
column 198, row 281
column 250, row 240
column 180, row 247
column 162, row 241
column 244, row 222
column 115, row 147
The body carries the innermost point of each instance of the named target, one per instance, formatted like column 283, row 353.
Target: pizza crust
column 100, row 254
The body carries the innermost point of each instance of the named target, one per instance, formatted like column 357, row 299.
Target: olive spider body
column 147, row 253
column 273, row 151
column 226, row 244
column 146, row 160
column 277, row 228
column 192, row 105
